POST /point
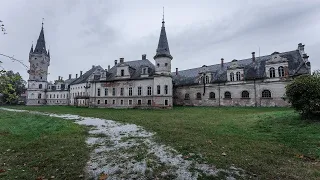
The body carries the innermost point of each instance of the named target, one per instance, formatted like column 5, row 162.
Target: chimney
column 301, row 48
column 177, row 71
column 108, row 68
column 305, row 57
column 115, row 62
column 76, row 75
column 69, row 76
column 144, row 56
column 253, row 56
column 121, row 60
column 80, row 73
column 59, row 78
column 93, row 66
column 222, row 62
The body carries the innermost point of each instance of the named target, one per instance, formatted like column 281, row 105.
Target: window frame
column 272, row 72
column 238, row 76
column 266, row 94
column 212, row 95
column 149, row 91
column 227, row 95
column 281, row 71
column 245, row 94
column 186, row 96
column 231, row 76
column 158, row 89
column 198, row 96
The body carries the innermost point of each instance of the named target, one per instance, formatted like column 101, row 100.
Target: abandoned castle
column 256, row 81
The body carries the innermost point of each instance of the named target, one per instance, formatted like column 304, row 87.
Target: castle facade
column 256, row 81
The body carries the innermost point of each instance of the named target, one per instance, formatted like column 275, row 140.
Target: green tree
column 11, row 87
column 304, row 94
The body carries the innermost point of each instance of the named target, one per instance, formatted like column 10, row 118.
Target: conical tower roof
column 41, row 43
column 163, row 45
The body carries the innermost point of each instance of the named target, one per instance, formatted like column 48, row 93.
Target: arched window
column 227, row 95
column 266, row 94
column 231, row 76
column 186, row 96
column 207, row 80
column 212, row 95
column 281, row 71
column 201, row 80
column 198, row 95
column 40, row 86
column 245, row 94
column 238, row 76
column 272, row 72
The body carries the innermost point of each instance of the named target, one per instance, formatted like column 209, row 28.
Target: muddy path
column 127, row 151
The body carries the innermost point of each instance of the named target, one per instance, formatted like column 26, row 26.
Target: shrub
column 304, row 94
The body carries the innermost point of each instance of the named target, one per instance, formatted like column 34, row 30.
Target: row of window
column 79, row 94
column 238, row 76
column 130, row 91
column 130, row 101
column 227, row 95
column 57, row 96
column 272, row 72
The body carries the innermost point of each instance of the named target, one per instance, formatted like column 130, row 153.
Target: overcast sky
column 82, row 33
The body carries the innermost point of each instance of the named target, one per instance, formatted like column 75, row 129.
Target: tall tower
column 162, row 85
column 163, row 57
column 39, row 59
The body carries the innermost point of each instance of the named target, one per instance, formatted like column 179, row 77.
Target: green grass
column 34, row 146
column 269, row 143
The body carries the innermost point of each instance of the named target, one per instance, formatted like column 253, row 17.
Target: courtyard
column 262, row 143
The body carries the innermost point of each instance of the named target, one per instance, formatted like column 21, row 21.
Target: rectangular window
column 98, row 101
column 139, row 91
column 122, row 72
column 50, row 95
column 130, row 102
column 130, row 91
column 149, row 91
column 139, row 102
column 166, row 89
column 105, row 101
column 121, row 91
column 54, row 96
column 149, row 102
column 158, row 89
column 121, row 102
column 113, row 101
column 113, row 91
column 99, row 92
column 106, row 92
column 166, row 102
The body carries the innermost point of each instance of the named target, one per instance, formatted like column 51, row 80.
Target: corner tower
column 39, row 59
column 163, row 57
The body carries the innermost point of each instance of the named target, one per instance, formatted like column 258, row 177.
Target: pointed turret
column 31, row 50
column 163, row 46
column 41, row 43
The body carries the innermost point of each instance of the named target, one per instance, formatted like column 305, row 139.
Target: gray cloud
column 83, row 33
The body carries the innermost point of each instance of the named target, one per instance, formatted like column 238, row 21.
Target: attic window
column 122, row 72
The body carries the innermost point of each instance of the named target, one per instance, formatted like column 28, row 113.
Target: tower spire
column 31, row 50
column 163, row 46
column 41, row 43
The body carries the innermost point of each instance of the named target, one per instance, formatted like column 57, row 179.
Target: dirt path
column 127, row 151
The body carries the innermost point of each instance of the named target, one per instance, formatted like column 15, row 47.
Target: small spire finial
column 42, row 22
column 162, row 14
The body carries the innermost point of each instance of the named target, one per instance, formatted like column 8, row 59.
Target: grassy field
column 269, row 143
column 41, row 147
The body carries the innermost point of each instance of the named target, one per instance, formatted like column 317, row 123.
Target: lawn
column 41, row 147
column 269, row 143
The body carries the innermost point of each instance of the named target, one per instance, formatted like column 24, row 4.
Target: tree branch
column 14, row 59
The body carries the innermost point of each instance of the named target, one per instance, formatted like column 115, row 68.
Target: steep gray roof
column 163, row 45
column 41, row 44
column 69, row 81
column 84, row 78
column 135, row 69
column 252, row 69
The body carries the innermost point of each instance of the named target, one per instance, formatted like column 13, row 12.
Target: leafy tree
column 304, row 94
column 11, row 87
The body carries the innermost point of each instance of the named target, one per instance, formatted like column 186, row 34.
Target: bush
column 304, row 94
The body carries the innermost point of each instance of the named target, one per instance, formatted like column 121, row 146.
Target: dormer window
column 281, row 71
column 238, row 76
column 232, row 76
column 272, row 72
column 207, row 80
column 122, row 72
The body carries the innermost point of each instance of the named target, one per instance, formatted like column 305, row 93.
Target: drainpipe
column 255, row 92
column 219, row 93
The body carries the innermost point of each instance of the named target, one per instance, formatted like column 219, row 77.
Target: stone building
column 256, row 81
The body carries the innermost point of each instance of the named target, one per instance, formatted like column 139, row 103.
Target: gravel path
column 127, row 151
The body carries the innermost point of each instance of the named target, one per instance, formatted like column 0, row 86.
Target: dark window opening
column 186, row 96
column 166, row 102
column 122, row 72
column 198, row 95
column 227, row 95
column 266, row 94
column 139, row 102
column 212, row 95
column 245, row 94
column 149, row 102
column 158, row 89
